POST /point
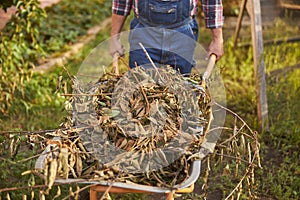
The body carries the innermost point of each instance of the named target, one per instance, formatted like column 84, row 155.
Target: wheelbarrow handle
column 115, row 65
column 211, row 63
column 210, row 66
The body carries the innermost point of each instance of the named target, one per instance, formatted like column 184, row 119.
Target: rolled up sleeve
column 213, row 13
column 121, row 7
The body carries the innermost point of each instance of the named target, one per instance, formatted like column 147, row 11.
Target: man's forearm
column 117, row 24
column 217, row 34
column 116, row 28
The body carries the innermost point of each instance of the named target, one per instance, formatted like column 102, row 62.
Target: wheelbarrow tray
column 188, row 183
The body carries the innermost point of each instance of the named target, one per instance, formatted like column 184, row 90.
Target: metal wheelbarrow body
column 120, row 187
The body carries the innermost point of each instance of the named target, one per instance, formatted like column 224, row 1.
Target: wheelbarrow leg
column 93, row 194
column 170, row 196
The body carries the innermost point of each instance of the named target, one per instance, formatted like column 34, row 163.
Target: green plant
column 30, row 36
column 4, row 4
column 70, row 19
column 41, row 105
column 18, row 47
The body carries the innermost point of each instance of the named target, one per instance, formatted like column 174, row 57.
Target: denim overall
column 167, row 31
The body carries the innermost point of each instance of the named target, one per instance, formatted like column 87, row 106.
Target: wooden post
column 239, row 22
column 254, row 10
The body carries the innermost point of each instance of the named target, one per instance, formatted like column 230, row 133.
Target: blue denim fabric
column 164, row 13
column 173, row 47
column 195, row 28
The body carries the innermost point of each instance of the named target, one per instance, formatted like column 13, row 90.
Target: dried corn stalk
column 236, row 157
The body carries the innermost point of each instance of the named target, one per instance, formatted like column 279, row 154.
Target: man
column 155, row 25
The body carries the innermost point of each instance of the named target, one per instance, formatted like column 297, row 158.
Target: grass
column 282, row 142
column 279, row 177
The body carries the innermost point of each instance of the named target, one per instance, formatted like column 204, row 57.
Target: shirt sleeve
column 213, row 13
column 121, row 7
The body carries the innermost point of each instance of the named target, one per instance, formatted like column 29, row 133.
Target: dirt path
column 75, row 48
column 5, row 16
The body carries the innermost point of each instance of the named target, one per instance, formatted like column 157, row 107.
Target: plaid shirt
column 213, row 10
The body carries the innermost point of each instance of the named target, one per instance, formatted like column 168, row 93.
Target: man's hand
column 116, row 46
column 216, row 45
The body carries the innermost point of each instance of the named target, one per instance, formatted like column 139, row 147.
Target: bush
column 18, row 47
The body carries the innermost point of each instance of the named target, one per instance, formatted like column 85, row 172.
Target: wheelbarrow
column 120, row 187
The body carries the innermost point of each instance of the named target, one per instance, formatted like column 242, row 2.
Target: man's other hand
column 216, row 45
